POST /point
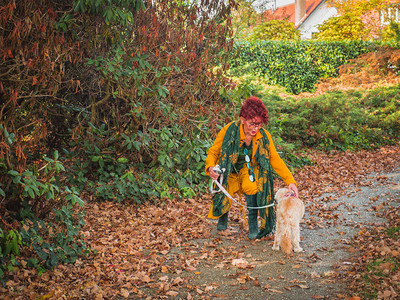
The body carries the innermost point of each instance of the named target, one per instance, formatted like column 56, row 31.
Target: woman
column 246, row 151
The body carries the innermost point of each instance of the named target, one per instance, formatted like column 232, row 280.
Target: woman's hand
column 294, row 189
column 213, row 174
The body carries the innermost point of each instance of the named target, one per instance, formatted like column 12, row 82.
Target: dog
column 289, row 212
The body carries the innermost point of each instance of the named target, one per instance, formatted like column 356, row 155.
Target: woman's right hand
column 213, row 174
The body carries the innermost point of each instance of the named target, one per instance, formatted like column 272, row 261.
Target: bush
column 339, row 120
column 343, row 28
column 391, row 32
column 42, row 195
column 297, row 66
column 113, row 84
column 108, row 165
column 275, row 30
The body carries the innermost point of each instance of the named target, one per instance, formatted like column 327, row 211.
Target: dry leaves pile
column 367, row 71
column 336, row 171
column 374, row 270
column 377, row 271
column 144, row 250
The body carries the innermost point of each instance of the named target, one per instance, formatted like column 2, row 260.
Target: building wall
column 309, row 26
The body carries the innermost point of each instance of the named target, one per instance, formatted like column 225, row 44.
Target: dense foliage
column 343, row 28
column 360, row 7
column 98, row 96
column 391, row 32
column 297, row 66
column 359, row 19
column 340, row 120
column 275, row 30
column 337, row 120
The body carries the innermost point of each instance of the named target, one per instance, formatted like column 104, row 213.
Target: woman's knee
column 249, row 188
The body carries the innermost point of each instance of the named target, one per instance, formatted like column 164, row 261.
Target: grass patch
column 393, row 232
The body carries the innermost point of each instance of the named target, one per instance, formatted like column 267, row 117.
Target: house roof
column 288, row 11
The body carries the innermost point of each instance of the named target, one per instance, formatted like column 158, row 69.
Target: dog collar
column 291, row 194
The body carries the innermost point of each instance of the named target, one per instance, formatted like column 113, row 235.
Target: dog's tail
column 286, row 241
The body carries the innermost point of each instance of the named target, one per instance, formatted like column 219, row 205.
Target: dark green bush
column 125, row 168
column 43, row 195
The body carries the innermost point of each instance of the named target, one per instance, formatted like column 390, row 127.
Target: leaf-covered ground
column 171, row 250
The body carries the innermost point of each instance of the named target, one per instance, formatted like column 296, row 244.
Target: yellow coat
column 276, row 162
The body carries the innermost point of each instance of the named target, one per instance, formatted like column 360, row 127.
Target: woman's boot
column 223, row 222
column 251, row 201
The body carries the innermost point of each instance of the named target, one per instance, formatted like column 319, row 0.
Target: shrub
column 275, row 30
column 42, row 195
column 114, row 84
column 297, row 66
column 135, row 167
column 343, row 28
column 339, row 120
column 391, row 32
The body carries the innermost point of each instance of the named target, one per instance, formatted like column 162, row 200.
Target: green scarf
column 265, row 195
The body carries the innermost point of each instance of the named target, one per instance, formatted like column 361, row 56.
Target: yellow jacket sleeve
column 214, row 152
column 278, row 164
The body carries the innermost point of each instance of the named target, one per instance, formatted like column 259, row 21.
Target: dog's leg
column 277, row 238
column 296, row 238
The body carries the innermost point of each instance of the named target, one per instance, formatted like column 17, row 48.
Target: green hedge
column 295, row 65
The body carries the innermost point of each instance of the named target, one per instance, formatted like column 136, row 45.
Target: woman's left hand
column 294, row 189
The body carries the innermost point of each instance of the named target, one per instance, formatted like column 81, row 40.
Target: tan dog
column 289, row 212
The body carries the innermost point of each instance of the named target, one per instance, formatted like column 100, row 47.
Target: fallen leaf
column 296, row 266
column 240, row 263
column 164, row 269
column 209, row 288
column 303, row 286
column 124, row 293
column 275, row 291
column 177, row 281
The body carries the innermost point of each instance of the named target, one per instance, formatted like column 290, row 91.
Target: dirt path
column 230, row 266
column 170, row 250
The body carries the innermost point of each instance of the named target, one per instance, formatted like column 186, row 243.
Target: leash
column 217, row 169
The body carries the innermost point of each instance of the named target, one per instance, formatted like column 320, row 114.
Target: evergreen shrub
column 295, row 65
column 348, row 120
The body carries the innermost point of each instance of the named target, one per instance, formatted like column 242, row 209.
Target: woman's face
column 251, row 126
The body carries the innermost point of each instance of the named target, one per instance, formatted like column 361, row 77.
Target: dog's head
column 280, row 194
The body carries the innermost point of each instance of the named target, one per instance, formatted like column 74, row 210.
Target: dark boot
column 251, row 201
column 223, row 222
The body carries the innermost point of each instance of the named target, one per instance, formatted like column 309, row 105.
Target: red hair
column 254, row 107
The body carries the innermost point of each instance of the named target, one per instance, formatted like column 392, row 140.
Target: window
column 390, row 14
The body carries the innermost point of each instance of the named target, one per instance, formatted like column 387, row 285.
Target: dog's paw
column 275, row 248
column 298, row 249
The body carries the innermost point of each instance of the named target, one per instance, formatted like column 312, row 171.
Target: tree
column 358, row 7
column 347, row 27
column 249, row 13
column 391, row 32
column 278, row 30
column 119, row 87
column 244, row 18
column 366, row 11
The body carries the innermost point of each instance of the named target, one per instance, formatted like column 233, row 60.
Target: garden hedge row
column 295, row 65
